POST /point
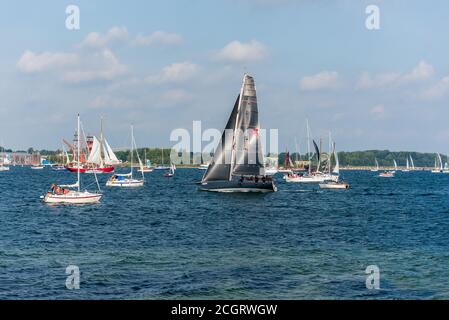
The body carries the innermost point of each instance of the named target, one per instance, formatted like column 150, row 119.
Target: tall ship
column 95, row 155
column 238, row 163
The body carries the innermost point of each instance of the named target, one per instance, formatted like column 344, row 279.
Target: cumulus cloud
column 105, row 66
column 422, row 71
column 438, row 90
column 322, row 80
column 99, row 40
column 176, row 72
column 240, row 52
column 175, row 96
column 31, row 62
column 158, row 38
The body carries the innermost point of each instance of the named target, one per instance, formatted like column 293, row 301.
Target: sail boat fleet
column 238, row 164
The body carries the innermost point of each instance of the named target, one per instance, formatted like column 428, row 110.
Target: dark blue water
column 169, row 241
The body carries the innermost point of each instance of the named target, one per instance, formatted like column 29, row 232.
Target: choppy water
column 169, row 241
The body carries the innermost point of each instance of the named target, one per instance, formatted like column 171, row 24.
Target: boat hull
column 127, row 183
column 237, row 186
column 4, row 168
column 73, row 198
column 308, row 179
column 92, row 170
column 334, row 186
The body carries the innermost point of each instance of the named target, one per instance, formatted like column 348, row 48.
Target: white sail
column 412, row 163
column 107, row 159
column 377, row 164
column 337, row 164
column 440, row 162
column 395, row 165
column 112, row 158
column 408, row 165
column 95, row 154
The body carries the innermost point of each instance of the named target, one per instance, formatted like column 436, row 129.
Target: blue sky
column 161, row 65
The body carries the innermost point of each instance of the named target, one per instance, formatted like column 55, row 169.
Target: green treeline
column 384, row 157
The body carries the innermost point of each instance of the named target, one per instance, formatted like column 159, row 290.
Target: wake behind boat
column 245, row 170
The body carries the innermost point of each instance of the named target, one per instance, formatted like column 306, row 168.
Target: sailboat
column 310, row 177
column 438, row 164
column 162, row 166
column 147, row 167
column 238, row 162
column 72, row 194
column 127, row 180
column 407, row 166
column 101, row 158
column 2, row 163
column 171, row 172
column 377, row 166
column 335, row 182
column 412, row 163
column 287, row 164
column 61, row 166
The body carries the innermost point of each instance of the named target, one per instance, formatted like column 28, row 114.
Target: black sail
column 220, row 167
column 239, row 151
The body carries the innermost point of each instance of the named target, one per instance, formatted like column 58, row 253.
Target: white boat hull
column 308, row 179
column 73, row 197
column 4, row 168
column 334, row 185
column 126, row 183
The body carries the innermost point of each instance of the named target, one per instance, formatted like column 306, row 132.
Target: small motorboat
column 387, row 174
column 334, row 185
column 4, row 168
column 59, row 168
column 37, row 167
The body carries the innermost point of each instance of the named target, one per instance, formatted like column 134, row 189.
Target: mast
column 297, row 151
column 132, row 147
column 233, row 153
column 78, row 146
column 101, row 141
column 308, row 146
column 330, row 152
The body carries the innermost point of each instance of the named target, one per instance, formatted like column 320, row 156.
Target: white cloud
column 440, row 89
column 158, row 38
column 176, row 96
column 31, row 62
column 241, row 52
column 422, row 71
column 176, row 72
column 322, row 80
column 98, row 40
column 104, row 66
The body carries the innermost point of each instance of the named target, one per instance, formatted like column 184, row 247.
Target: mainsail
column 239, row 151
column 337, row 163
column 95, row 154
column 318, row 154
